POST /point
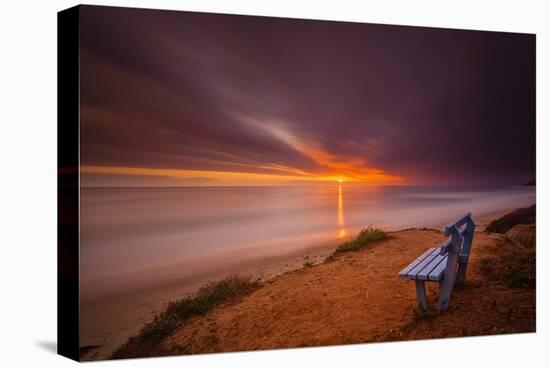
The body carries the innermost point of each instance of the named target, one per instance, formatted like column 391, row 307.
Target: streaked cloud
column 176, row 94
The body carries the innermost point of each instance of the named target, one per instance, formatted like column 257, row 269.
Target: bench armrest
column 445, row 246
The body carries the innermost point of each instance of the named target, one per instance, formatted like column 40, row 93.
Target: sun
column 340, row 180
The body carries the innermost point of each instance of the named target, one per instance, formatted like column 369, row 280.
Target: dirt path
column 356, row 298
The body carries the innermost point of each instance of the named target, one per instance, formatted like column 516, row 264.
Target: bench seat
column 429, row 266
column 445, row 264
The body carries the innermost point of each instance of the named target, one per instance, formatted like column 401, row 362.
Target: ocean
column 131, row 236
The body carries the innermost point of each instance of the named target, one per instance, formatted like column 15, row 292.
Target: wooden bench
column 445, row 264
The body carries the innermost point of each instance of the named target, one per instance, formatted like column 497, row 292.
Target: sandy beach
column 110, row 322
column 352, row 298
column 358, row 298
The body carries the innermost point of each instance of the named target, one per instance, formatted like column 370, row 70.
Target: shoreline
column 119, row 322
column 273, row 269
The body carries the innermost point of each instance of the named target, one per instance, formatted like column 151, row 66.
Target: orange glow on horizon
column 330, row 168
column 352, row 168
column 287, row 175
column 327, row 167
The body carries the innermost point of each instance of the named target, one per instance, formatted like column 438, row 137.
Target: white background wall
column 28, row 182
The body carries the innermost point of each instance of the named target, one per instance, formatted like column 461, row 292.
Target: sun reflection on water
column 340, row 216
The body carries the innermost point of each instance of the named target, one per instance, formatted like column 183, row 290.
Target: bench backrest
column 460, row 233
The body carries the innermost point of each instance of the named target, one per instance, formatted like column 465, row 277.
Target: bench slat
column 403, row 273
column 437, row 273
column 413, row 274
column 423, row 274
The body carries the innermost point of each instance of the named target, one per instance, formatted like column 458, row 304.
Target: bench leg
column 445, row 290
column 421, row 294
column 461, row 273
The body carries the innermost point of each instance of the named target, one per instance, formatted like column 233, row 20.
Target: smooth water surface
column 134, row 237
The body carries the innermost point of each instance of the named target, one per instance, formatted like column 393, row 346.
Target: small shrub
column 487, row 267
column 308, row 263
column 175, row 313
column 521, row 273
column 517, row 270
column 518, row 216
column 207, row 297
column 364, row 237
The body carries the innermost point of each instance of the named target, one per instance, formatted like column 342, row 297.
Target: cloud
column 192, row 91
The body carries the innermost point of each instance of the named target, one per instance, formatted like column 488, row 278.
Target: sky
column 181, row 98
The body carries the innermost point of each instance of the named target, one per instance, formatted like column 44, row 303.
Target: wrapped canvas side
column 68, row 183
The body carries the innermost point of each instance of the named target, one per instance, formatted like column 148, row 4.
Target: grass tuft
column 518, row 216
column 516, row 270
column 175, row 313
column 308, row 263
column 363, row 238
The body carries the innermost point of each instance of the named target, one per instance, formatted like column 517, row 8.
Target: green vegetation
column 518, row 216
column 516, row 270
column 308, row 263
column 363, row 238
column 207, row 297
column 175, row 313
